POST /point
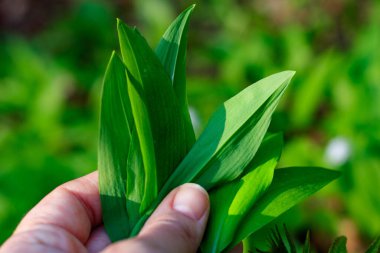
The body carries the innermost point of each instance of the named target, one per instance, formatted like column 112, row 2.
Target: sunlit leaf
column 146, row 145
column 231, row 202
column 289, row 187
column 220, row 154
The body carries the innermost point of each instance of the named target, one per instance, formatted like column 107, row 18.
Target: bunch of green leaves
column 284, row 243
column 147, row 145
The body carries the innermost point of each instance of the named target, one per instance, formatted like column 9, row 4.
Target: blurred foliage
column 53, row 56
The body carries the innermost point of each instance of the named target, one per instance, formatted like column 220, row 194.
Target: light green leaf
column 158, row 121
column 289, row 187
column 171, row 51
column 255, row 183
column 220, row 154
column 114, row 141
column 231, row 202
column 339, row 245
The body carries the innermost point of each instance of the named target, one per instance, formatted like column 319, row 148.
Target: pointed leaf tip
column 171, row 50
column 289, row 74
column 191, row 7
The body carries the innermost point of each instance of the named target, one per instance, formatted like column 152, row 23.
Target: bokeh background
column 53, row 55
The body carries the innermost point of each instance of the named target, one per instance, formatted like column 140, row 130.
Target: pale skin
column 69, row 219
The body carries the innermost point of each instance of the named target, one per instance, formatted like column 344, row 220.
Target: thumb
column 177, row 225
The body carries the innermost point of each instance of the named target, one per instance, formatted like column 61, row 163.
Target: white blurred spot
column 338, row 151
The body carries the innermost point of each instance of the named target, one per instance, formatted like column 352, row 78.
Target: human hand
column 69, row 219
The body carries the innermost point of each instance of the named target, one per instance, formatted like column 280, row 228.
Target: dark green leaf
column 172, row 53
column 339, row 245
column 307, row 247
column 158, row 122
column 114, row 141
column 374, row 247
column 135, row 181
column 290, row 241
column 279, row 243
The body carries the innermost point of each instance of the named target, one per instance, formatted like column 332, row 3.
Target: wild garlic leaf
column 146, row 135
column 171, row 51
column 158, row 121
column 220, row 154
column 231, row 202
column 255, row 183
column 339, row 245
column 289, row 187
column 113, row 147
column 135, row 184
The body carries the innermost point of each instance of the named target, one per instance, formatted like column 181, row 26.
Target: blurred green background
column 53, row 55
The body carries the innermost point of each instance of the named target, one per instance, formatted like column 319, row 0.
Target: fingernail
column 191, row 200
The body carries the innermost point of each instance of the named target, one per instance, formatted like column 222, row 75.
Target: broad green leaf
column 158, row 122
column 230, row 202
column 135, row 181
column 171, row 51
column 220, row 154
column 114, row 141
column 374, row 247
column 289, row 187
column 339, row 245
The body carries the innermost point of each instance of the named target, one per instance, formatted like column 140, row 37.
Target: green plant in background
column 233, row 43
column 147, row 145
column 282, row 242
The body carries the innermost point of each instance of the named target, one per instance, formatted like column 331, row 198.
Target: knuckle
column 44, row 237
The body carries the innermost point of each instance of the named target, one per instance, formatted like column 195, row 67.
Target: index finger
column 73, row 206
